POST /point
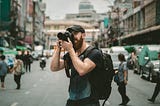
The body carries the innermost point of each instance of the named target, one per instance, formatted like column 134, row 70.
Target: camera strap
column 66, row 65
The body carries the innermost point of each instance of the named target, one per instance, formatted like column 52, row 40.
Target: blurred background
column 131, row 27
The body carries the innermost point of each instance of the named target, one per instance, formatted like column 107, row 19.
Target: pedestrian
column 1, row 52
column 28, row 61
column 123, row 78
column 22, row 57
column 17, row 69
column 3, row 70
column 156, row 89
column 80, row 89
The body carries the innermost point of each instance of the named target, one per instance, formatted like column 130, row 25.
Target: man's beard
column 78, row 44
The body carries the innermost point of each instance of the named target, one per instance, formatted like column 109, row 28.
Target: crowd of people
column 21, row 61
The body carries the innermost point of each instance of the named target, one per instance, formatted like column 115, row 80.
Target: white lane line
column 35, row 85
column 27, row 92
column 14, row 104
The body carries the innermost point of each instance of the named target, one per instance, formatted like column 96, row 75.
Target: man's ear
column 83, row 35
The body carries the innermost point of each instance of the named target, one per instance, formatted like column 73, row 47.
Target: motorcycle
column 43, row 63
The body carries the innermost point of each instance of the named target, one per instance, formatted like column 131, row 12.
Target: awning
column 10, row 52
column 21, row 48
column 129, row 49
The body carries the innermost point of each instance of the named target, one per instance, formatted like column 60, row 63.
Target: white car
column 35, row 55
column 116, row 62
column 114, row 51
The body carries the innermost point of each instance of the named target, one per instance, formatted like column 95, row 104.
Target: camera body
column 64, row 36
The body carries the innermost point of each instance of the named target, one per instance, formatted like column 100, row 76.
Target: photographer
column 80, row 89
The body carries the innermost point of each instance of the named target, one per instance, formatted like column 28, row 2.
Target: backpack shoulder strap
column 67, row 59
column 88, row 50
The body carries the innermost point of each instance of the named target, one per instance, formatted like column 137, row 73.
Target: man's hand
column 67, row 45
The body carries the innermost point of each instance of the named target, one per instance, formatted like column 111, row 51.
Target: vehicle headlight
column 156, row 65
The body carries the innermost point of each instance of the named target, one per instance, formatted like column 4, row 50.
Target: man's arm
column 82, row 67
column 125, row 76
column 57, row 63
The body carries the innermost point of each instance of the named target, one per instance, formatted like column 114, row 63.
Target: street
column 45, row 88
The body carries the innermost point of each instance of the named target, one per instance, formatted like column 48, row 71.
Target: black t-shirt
column 80, row 86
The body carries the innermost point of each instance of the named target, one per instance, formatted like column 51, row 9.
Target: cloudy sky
column 57, row 9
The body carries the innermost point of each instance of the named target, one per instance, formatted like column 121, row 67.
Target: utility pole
column 33, row 24
column 0, row 15
column 118, row 26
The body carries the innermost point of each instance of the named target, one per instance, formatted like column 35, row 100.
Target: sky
column 57, row 9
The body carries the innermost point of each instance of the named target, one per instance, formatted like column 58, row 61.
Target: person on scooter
column 43, row 62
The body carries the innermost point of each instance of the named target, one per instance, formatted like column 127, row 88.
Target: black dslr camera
column 64, row 36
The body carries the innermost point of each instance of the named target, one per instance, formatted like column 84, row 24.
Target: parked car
column 105, row 50
column 119, row 49
column 114, row 51
column 116, row 62
column 35, row 55
column 150, row 70
column 152, row 64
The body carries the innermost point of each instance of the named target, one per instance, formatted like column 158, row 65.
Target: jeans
column 156, row 90
column 17, row 79
column 2, row 78
column 122, row 91
column 83, row 102
column 28, row 67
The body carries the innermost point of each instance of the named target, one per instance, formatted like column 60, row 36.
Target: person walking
column 17, row 69
column 123, row 78
column 3, row 70
column 22, row 57
column 156, row 90
column 28, row 61
column 80, row 89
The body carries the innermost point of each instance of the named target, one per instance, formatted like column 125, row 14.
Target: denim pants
column 83, row 102
column 122, row 91
column 156, row 90
column 17, row 79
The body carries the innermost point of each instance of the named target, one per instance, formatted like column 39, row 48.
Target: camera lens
column 62, row 36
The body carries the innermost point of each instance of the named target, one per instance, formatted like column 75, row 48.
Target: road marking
column 27, row 92
column 14, row 104
column 35, row 85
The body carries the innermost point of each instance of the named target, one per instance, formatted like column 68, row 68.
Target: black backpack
column 101, row 80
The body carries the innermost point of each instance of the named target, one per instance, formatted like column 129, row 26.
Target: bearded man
column 80, row 89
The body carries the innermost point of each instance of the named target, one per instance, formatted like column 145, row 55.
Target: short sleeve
column 125, row 66
column 95, row 56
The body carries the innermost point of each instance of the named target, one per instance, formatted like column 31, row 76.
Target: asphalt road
column 46, row 88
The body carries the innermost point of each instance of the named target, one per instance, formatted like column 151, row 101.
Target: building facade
column 87, row 17
column 53, row 27
column 18, row 21
column 139, row 25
